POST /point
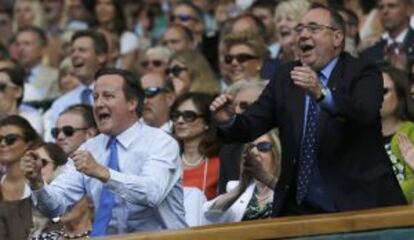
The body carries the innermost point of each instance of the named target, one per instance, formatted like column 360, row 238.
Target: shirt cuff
column 328, row 101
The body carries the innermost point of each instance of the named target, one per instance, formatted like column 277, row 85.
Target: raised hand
column 86, row 163
column 32, row 165
column 407, row 149
column 306, row 78
column 223, row 108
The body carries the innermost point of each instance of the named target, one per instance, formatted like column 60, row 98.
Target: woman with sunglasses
column 11, row 96
column 16, row 137
column 155, row 59
column 199, row 146
column 190, row 72
column 249, row 198
column 397, row 115
column 245, row 54
column 109, row 15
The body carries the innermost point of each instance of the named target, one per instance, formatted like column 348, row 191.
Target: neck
column 395, row 32
column 191, row 152
column 109, row 26
column 79, row 225
column 14, row 172
column 390, row 125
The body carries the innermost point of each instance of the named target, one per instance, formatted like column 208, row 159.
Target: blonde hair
column 296, row 8
column 250, row 39
column 201, row 74
column 36, row 7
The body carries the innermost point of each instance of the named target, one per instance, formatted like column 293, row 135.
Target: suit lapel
column 408, row 43
column 297, row 102
column 336, row 76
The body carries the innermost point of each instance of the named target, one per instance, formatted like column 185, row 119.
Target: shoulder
column 69, row 98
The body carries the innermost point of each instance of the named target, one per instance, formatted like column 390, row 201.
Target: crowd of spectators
column 84, row 82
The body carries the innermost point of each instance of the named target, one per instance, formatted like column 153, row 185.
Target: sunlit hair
column 293, row 8
column 249, row 39
column 245, row 84
column 37, row 10
column 201, row 74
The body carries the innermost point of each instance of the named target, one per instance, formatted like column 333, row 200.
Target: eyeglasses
column 182, row 18
column 68, row 131
column 243, row 105
column 240, row 58
column 188, row 116
column 4, row 86
column 312, row 28
column 176, row 70
column 262, row 146
column 153, row 91
column 155, row 63
column 10, row 139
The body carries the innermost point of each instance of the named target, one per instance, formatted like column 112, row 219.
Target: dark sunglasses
column 155, row 63
column 182, row 18
column 262, row 146
column 385, row 90
column 188, row 116
column 68, row 131
column 153, row 91
column 175, row 70
column 240, row 58
column 10, row 139
column 3, row 87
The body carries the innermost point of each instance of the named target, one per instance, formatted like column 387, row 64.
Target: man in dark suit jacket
column 346, row 167
column 398, row 39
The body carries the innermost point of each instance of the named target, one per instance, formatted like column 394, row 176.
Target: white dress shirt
column 148, row 190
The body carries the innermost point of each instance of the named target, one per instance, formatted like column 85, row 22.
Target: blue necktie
column 86, row 96
column 107, row 200
column 308, row 151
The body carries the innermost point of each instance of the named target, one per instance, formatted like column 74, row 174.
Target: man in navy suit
column 397, row 43
column 326, row 107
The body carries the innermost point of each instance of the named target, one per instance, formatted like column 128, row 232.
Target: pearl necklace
column 75, row 236
column 190, row 164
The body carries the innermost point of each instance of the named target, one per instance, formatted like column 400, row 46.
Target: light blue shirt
column 71, row 98
column 148, row 190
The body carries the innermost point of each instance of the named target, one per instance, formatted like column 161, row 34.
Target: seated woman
column 199, row 146
column 397, row 116
column 16, row 137
column 250, row 197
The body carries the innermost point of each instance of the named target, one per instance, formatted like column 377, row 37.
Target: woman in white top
column 16, row 137
column 250, row 197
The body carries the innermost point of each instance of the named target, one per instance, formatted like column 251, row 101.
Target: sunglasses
column 155, row 63
column 10, row 139
column 4, row 86
column 188, row 116
column 262, row 146
column 385, row 90
column 176, row 70
column 68, row 131
column 153, row 91
column 182, row 18
column 240, row 58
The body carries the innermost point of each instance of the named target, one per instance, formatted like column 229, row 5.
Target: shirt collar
column 399, row 39
column 35, row 70
column 126, row 137
column 327, row 70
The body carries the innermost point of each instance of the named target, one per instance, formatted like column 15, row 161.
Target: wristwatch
column 324, row 92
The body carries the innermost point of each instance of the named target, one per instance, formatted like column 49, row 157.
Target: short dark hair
column 259, row 24
column 16, row 75
column 56, row 153
column 119, row 24
column 30, row 134
column 132, row 87
column 85, row 111
column 41, row 35
column 267, row 4
column 336, row 19
column 99, row 40
column 209, row 145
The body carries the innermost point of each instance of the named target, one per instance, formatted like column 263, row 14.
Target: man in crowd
column 74, row 126
column 159, row 97
column 89, row 53
column 178, row 38
column 130, row 171
column 42, row 81
column 326, row 107
column 397, row 43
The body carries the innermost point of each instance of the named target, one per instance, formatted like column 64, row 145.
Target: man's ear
column 338, row 38
column 102, row 58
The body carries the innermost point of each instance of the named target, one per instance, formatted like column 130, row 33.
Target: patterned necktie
column 86, row 96
column 308, row 151
column 107, row 199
